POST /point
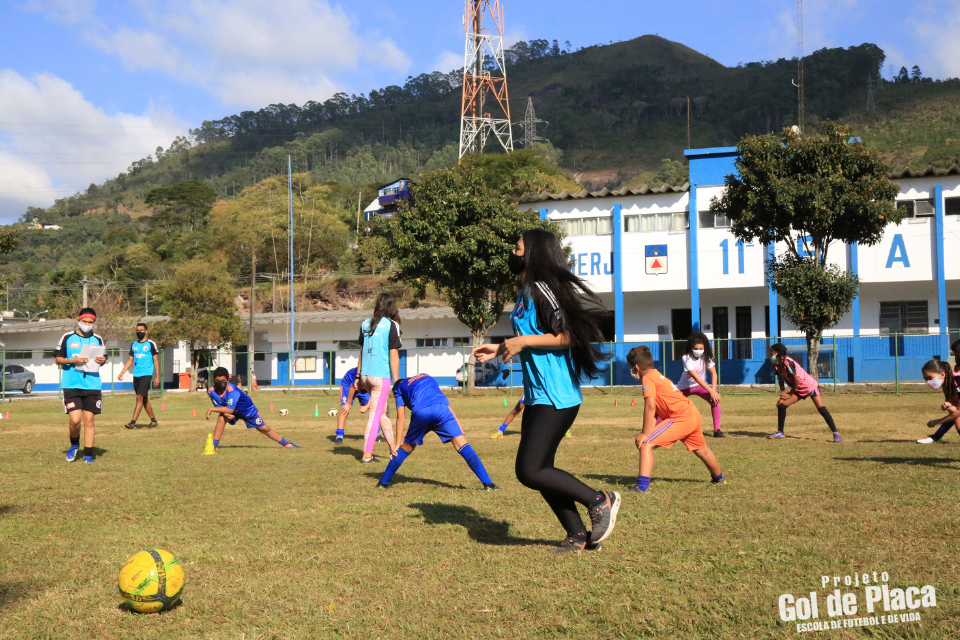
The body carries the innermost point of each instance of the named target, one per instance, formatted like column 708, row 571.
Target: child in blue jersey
column 430, row 411
column 348, row 392
column 557, row 320
column 517, row 410
column 146, row 366
column 378, row 368
column 233, row 404
column 82, row 400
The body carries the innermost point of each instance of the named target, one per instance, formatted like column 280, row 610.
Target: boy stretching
column 233, row 404
column 680, row 420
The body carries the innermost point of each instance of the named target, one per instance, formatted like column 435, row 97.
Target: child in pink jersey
column 697, row 361
column 802, row 385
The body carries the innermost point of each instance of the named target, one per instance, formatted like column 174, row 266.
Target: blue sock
column 718, row 478
column 283, row 442
column 503, row 427
column 339, row 433
column 473, row 460
column 216, row 443
column 393, row 465
column 643, row 483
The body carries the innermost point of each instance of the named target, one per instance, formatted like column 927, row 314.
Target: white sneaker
column 926, row 441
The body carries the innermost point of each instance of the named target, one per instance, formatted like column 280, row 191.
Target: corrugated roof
column 62, row 325
column 930, row 171
column 543, row 196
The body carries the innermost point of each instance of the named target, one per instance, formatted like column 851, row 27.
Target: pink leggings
column 703, row 393
column 378, row 418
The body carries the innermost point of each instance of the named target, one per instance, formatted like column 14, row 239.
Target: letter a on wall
column 898, row 252
column 656, row 259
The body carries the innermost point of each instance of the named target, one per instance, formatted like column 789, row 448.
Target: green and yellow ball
column 152, row 581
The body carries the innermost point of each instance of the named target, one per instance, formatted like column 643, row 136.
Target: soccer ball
column 152, row 581
column 283, row 412
column 332, row 412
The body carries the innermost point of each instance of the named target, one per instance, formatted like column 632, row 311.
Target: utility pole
column 689, row 146
column 290, row 194
column 250, row 335
column 146, row 298
column 529, row 125
column 84, row 282
column 801, row 116
column 359, row 196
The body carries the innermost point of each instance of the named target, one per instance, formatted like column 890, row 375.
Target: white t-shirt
column 700, row 365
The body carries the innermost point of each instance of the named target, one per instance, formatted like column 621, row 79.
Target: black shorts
column 141, row 385
column 82, row 399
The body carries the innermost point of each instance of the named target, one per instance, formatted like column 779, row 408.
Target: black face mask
column 516, row 264
column 220, row 385
column 141, row 335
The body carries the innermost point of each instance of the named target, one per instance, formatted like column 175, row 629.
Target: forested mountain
column 614, row 111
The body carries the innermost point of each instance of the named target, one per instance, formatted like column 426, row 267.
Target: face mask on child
column 774, row 360
column 936, row 383
column 697, row 352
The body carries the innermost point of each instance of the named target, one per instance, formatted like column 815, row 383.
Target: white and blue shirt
column 549, row 376
column 375, row 348
column 74, row 377
column 142, row 354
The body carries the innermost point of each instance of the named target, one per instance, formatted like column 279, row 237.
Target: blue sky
column 88, row 86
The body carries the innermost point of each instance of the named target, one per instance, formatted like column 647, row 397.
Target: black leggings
column 541, row 431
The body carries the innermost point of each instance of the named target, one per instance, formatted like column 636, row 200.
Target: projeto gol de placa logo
column 845, row 608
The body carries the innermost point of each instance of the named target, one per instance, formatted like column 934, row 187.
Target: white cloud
column 447, row 62
column 823, row 22
column 62, row 10
column 292, row 54
column 939, row 43
column 69, row 142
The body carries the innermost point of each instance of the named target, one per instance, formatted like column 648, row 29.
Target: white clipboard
column 91, row 351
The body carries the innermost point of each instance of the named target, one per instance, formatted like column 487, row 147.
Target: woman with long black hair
column 556, row 320
column 378, row 368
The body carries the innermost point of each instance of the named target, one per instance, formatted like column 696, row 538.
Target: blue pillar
column 941, row 274
column 617, row 273
column 543, row 214
column 694, row 261
column 772, row 301
column 855, row 269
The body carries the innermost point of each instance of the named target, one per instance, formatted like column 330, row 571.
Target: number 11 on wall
column 725, row 245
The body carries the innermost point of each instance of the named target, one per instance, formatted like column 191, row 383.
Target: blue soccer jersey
column 375, row 353
column 74, row 377
column 548, row 374
column 234, row 398
column 345, row 383
column 142, row 354
column 420, row 391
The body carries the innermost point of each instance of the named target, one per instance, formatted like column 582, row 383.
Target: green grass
column 299, row 544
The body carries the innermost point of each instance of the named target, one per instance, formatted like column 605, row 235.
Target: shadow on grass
column 348, row 451
column 243, row 446
column 480, row 529
column 333, row 438
column 126, row 608
column 940, row 463
column 11, row 591
column 7, row 509
column 399, row 479
column 629, row 481
column 754, row 434
column 901, row 441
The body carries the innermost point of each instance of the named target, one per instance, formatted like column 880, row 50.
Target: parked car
column 483, row 370
column 16, row 378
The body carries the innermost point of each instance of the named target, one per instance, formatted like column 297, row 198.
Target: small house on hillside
column 385, row 204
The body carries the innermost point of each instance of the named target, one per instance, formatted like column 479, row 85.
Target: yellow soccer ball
column 152, row 581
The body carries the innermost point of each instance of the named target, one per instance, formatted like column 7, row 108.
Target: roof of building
column 543, row 196
column 60, row 324
column 953, row 170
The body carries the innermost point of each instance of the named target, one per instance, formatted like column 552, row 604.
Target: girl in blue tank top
column 557, row 320
column 378, row 368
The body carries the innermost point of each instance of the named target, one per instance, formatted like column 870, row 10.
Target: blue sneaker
column 776, row 435
column 836, row 436
column 290, row 445
column 72, row 453
column 88, row 459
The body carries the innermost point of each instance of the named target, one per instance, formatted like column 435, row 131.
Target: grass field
column 299, row 544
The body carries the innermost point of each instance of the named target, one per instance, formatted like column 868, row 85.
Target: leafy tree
column 671, row 172
column 903, row 75
column 807, row 192
column 523, row 171
column 457, row 239
column 199, row 298
column 9, row 239
column 915, row 74
column 186, row 201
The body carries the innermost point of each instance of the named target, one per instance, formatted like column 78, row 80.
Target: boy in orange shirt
column 680, row 420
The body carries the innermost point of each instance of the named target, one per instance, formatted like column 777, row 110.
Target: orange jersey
column 670, row 402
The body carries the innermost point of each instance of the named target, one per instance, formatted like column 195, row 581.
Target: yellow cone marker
column 209, row 450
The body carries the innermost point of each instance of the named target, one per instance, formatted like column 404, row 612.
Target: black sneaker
column 570, row 545
column 592, row 546
column 636, row 489
column 153, row 423
column 338, row 440
column 604, row 516
column 369, row 460
column 719, row 434
column 380, row 438
column 131, row 425
column 490, row 487
column 380, row 485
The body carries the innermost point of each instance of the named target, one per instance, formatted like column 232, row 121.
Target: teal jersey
column 142, row 354
column 74, row 377
column 375, row 348
column 548, row 374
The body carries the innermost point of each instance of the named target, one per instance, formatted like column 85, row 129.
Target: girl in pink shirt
column 802, row 385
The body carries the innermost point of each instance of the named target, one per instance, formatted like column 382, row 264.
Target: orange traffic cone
column 163, row 407
column 194, row 412
column 8, row 415
column 255, row 387
column 271, row 406
column 616, row 403
column 633, row 402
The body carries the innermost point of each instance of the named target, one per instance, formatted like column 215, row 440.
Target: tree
column 9, row 239
column 186, row 201
column 671, row 172
column 457, row 239
column 915, row 74
column 199, row 298
column 807, row 192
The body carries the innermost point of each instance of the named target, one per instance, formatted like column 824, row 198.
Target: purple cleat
column 836, row 436
column 776, row 435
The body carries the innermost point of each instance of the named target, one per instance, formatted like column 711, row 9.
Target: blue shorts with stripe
column 362, row 396
column 438, row 418
column 253, row 422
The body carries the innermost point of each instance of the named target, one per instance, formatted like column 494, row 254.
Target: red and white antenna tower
column 484, row 75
